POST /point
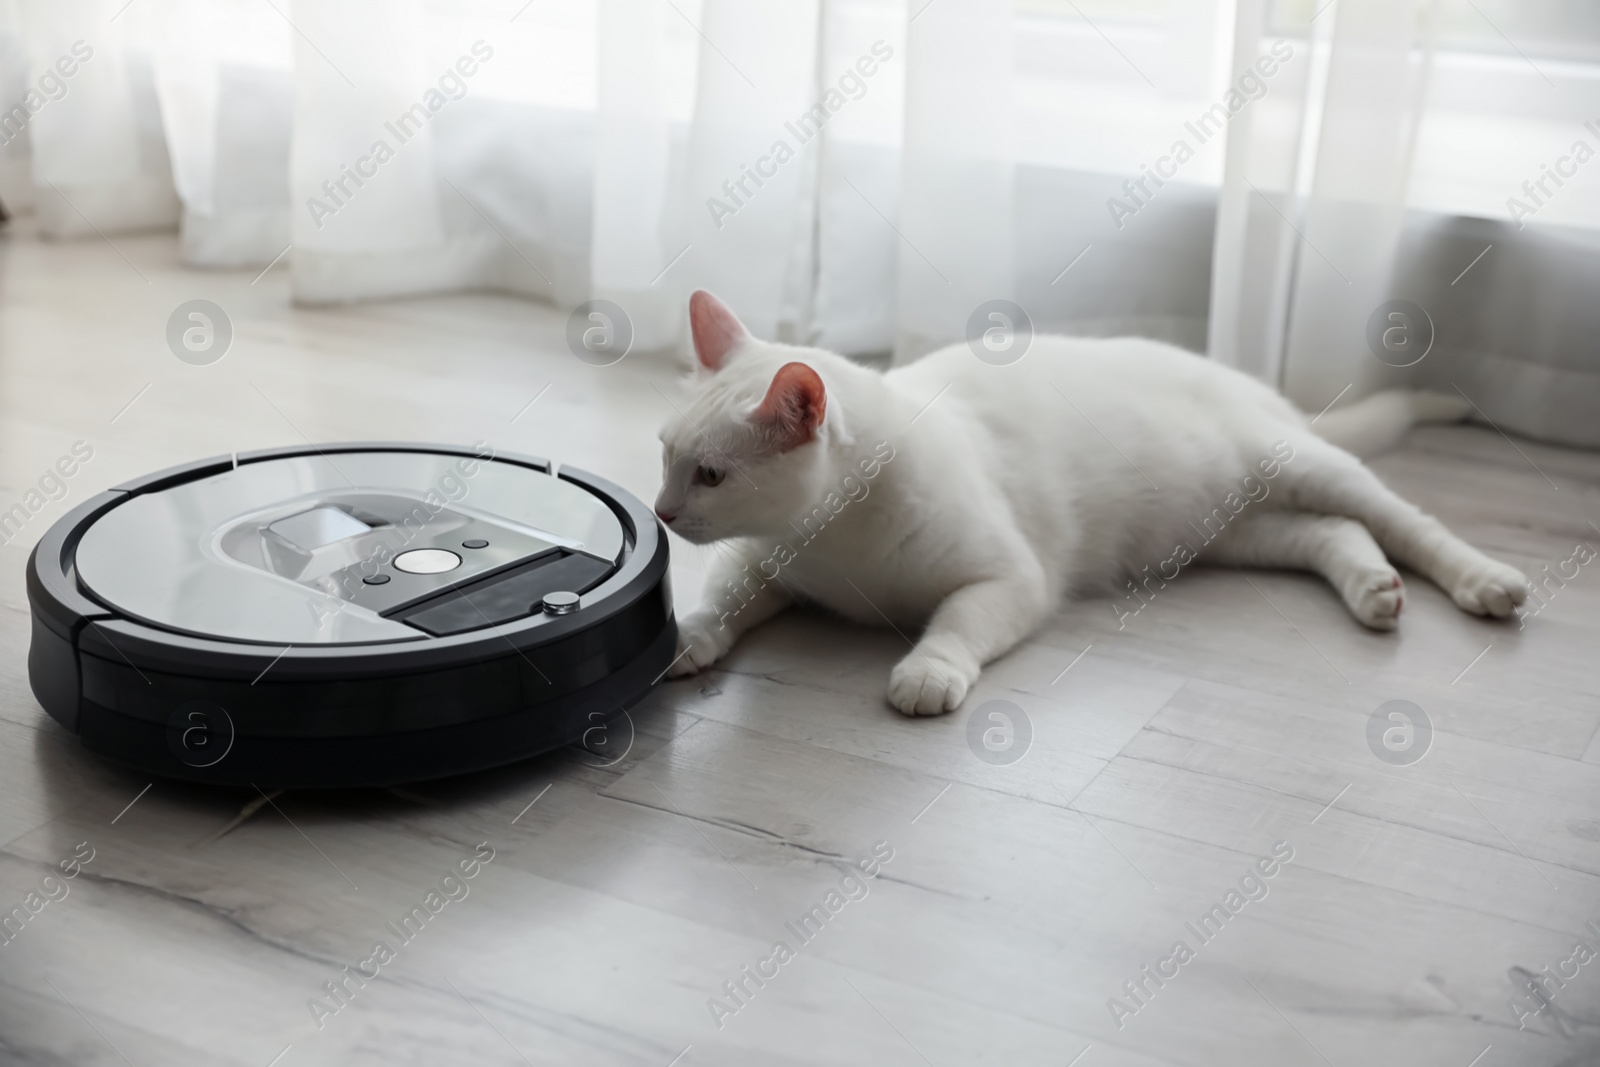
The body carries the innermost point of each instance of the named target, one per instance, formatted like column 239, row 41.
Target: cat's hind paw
column 1492, row 588
column 1375, row 598
column 924, row 684
column 701, row 642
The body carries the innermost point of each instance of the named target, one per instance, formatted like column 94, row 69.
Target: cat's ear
column 794, row 405
column 716, row 330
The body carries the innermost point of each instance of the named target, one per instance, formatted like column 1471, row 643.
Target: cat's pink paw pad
column 1493, row 588
column 1377, row 599
column 927, row 685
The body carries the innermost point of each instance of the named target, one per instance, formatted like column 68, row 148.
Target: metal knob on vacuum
column 559, row 603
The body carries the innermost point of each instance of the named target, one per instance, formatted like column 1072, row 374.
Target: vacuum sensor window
column 318, row 527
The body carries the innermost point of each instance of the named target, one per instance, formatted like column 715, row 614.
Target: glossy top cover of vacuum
column 291, row 552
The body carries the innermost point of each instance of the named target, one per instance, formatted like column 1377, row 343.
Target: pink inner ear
column 716, row 330
column 794, row 405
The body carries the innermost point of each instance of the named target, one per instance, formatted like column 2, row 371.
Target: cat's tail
column 1378, row 422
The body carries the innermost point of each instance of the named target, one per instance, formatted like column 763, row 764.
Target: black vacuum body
column 349, row 615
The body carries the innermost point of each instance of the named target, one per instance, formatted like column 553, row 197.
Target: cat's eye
column 709, row 476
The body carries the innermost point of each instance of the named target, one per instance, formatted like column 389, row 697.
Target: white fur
column 1066, row 473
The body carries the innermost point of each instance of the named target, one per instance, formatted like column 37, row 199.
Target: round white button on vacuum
column 427, row 561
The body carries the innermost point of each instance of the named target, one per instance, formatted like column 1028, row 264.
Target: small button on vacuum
column 375, row 579
column 474, row 542
column 560, row 603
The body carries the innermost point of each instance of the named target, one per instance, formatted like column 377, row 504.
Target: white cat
column 967, row 499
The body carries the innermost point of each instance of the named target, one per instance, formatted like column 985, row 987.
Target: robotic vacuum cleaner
column 350, row 615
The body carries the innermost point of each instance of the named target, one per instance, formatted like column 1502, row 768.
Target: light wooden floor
column 1166, row 760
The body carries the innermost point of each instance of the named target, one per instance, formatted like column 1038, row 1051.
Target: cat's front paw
column 701, row 642
column 929, row 683
column 1492, row 588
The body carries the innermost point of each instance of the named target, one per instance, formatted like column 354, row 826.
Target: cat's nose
column 665, row 516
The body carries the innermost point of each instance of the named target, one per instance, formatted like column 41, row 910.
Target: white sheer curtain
column 1392, row 167
column 1311, row 208
column 84, row 149
column 586, row 158
column 957, row 212
column 225, row 79
column 1251, row 178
